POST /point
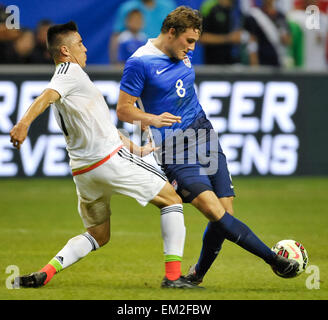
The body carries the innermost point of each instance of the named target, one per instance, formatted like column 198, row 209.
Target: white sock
column 75, row 249
column 173, row 230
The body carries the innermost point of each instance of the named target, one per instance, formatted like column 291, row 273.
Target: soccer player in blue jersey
column 159, row 79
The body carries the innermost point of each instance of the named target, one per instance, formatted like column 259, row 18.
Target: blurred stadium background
column 273, row 127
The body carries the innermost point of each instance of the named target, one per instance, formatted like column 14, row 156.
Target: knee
column 172, row 199
column 211, row 212
column 209, row 205
column 228, row 205
column 167, row 197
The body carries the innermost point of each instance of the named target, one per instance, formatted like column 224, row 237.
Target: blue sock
column 212, row 243
column 236, row 231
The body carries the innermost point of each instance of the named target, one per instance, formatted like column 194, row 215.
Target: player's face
column 183, row 43
column 77, row 50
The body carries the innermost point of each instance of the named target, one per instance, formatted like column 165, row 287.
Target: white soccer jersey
column 83, row 116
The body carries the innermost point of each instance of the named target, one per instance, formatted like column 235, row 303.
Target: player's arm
column 135, row 149
column 234, row 37
column 211, row 38
column 126, row 111
column 19, row 132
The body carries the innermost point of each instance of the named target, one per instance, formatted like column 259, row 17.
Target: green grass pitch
column 38, row 216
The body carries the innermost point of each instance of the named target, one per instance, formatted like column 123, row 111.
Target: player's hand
column 18, row 134
column 238, row 37
column 165, row 119
column 147, row 149
column 144, row 128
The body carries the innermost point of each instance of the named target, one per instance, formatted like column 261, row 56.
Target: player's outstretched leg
column 75, row 249
column 236, row 231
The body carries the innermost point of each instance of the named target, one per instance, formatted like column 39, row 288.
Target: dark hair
column 55, row 36
column 136, row 10
column 182, row 18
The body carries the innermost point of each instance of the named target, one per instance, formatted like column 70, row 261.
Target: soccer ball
column 292, row 249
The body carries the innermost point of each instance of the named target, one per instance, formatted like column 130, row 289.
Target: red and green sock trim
column 51, row 269
column 172, row 267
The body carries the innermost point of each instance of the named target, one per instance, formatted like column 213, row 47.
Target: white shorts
column 124, row 173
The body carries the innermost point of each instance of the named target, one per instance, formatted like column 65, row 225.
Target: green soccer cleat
column 33, row 280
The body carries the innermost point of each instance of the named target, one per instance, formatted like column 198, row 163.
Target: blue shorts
column 206, row 171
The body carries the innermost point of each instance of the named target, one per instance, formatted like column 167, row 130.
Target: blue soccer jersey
column 162, row 85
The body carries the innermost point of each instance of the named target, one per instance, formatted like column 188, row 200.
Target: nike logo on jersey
column 159, row 72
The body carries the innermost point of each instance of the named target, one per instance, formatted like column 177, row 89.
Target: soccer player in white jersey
column 159, row 78
column 101, row 163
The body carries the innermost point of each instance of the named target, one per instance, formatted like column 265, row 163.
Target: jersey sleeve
column 134, row 77
column 65, row 83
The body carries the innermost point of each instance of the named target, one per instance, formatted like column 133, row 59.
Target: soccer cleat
column 33, row 280
column 286, row 268
column 181, row 283
column 193, row 277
